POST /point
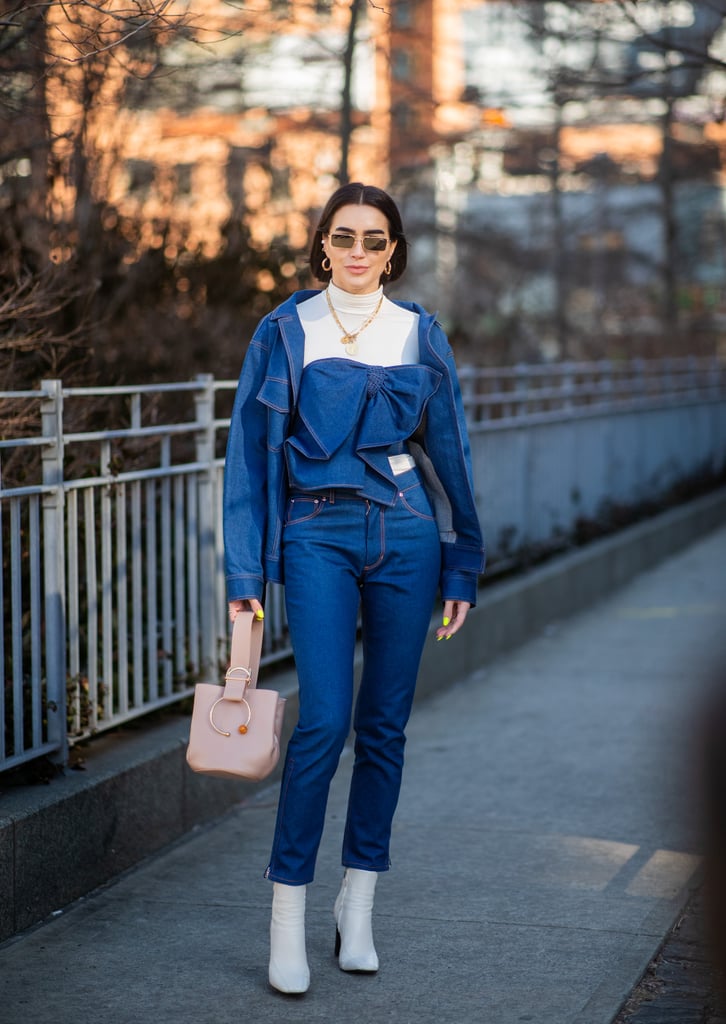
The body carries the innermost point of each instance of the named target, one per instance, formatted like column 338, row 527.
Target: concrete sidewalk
column 545, row 840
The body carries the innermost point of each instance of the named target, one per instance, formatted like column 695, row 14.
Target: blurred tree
column 59, row 63
column 590, row 65
column 346, row 105
column 666, row 61
column 99, row 275
column 671, row 47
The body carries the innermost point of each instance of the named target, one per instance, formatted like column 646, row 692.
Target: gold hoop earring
column 329, row 266
column 387, row 269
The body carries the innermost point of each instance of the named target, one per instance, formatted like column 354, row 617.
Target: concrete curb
column 136, row 794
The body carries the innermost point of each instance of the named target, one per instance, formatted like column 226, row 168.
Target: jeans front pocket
column 417, row 501
column 302, row 508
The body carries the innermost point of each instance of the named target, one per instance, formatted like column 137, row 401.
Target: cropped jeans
column 343, row 553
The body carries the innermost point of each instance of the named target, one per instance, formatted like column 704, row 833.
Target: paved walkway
column 545, row 841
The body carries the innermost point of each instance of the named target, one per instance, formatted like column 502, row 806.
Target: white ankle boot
column 289, row 971
column 353, row 910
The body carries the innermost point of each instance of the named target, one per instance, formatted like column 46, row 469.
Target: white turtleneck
column 390, row 340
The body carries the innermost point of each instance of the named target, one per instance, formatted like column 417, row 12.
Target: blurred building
column 546, row 155
column 568, row 196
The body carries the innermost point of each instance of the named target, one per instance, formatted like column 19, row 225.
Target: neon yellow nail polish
column 447, row 620
column 449, row 636
column 259, row 614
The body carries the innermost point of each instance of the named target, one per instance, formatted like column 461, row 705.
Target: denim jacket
column 255, row 478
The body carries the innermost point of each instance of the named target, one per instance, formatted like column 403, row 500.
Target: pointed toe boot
column 289, row 971
column 353, row 912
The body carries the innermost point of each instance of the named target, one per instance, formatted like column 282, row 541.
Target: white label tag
column 400, row 463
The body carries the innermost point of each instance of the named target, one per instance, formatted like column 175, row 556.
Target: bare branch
column 701, row 56
column 102, row 28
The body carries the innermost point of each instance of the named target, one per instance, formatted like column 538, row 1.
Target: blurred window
column 402, row 65
column 402, row 13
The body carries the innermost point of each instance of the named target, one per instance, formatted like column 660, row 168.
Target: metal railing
column 115, row 594
column 112, row 582
column 537, row 393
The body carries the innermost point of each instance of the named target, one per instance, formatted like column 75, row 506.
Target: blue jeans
column 342, row 553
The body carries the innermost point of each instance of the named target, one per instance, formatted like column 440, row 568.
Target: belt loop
column 331, row 497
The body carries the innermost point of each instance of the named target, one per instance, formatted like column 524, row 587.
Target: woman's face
column 358, row 269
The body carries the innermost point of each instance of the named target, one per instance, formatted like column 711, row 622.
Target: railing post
column 567, row 385
column 521, row 388
column 714, row 372
column 467, row 382
column 608, row 394
column 204, row 415
column 692, row 383
column 640, row 382
column 54, row 566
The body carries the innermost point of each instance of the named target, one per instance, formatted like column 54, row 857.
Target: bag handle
column 244, row 662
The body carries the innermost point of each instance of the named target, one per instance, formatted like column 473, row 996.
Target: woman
column 347, row 432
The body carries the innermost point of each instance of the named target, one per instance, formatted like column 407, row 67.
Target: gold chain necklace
column 350, row 338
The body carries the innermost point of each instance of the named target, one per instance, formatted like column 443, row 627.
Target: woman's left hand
column 455, row 613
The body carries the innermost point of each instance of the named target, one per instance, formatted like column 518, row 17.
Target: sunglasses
column 373, row 243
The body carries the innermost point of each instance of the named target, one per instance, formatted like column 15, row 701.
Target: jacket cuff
column 459, row 586
column 245, row 588
column 464, row 559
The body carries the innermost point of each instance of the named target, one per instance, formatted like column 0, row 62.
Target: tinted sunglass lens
column 369, row 243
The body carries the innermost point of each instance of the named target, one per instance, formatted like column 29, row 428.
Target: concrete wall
column 533, row 485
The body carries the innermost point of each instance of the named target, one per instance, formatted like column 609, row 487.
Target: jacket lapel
column 293, row 338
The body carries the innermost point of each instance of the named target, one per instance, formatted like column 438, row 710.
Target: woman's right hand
column 252, row 605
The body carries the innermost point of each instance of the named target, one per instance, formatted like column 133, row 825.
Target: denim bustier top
column 350, row 418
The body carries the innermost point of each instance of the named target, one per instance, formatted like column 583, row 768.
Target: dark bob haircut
column 357, row 194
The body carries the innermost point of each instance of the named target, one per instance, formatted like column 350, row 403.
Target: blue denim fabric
column 339, row 555
column 256, row 488
column 377, row 409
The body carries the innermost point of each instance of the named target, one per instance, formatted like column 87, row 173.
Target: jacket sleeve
column 447, row 446
column 245, row 477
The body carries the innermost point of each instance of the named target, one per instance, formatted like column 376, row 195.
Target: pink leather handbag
column 236, row 728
